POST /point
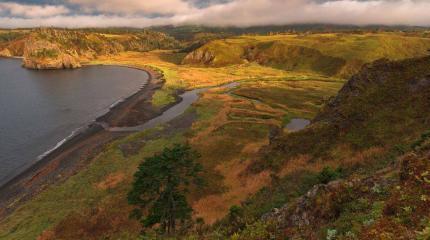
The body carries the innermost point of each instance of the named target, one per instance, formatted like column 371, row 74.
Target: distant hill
column 331, row 54
column 188, row 32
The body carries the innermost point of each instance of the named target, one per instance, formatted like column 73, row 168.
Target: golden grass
column 188, row 77
column 213, row 207
column 233, row 153
column 347, row 159
column 229, row 140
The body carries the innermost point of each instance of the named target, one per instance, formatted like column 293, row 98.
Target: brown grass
column 213, row 207
column 349, row 159
column 111, row 181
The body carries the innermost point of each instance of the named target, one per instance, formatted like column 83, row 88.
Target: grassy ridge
column 330, row 54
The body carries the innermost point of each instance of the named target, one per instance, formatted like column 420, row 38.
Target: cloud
column 134, row 6
column 77, row 21
column 143, row 13
column 31, row 11
column 262, row 12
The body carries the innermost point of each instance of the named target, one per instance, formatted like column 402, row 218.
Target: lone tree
column 160, row 185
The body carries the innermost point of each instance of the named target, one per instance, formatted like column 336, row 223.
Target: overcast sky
column 143, row 13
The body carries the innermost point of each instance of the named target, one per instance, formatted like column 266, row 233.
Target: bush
column 45, row 53
column 257, row 231
column 424, row 138
column 328, row 174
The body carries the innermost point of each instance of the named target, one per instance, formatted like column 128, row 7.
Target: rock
column 199, row 57
column 64, row 61
column 42, row 54
column 5, row 53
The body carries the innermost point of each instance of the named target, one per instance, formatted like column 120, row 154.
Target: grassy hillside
column 337, row 54
column 374, row 135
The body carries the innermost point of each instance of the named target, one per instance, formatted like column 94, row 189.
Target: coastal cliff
column 48, row 48
column 42, row 54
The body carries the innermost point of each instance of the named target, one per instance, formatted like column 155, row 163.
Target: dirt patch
column 111, row 181
column 46, row 235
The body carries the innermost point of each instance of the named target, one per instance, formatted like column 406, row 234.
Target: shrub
column 328, row 174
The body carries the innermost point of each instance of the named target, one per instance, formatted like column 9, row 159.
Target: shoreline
column 75, row 153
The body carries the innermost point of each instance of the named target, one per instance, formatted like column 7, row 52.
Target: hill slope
column 375, row 133
column 328, row 54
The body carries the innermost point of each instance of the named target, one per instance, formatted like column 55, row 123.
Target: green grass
column 45, row 53
column 300, row 98
column 163, row 97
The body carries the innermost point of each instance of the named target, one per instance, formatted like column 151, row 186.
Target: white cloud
column 76, row 21
column 31, row 11
column 134, row 6
column 134, row 13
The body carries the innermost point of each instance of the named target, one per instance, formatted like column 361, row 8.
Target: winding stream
column 297, row 124
column 188, row 98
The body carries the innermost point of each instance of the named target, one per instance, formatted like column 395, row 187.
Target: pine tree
column 160, row 185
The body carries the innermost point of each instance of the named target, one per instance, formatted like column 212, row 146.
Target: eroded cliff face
column 199, row 56
column 42, row 54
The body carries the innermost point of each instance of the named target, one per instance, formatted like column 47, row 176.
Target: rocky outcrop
column 199, row 56
column 64, row 61
column 323, row 204
column 5, row 53
column 42, row 54
column 388, row 207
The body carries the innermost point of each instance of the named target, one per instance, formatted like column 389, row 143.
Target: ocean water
column 39, row 109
